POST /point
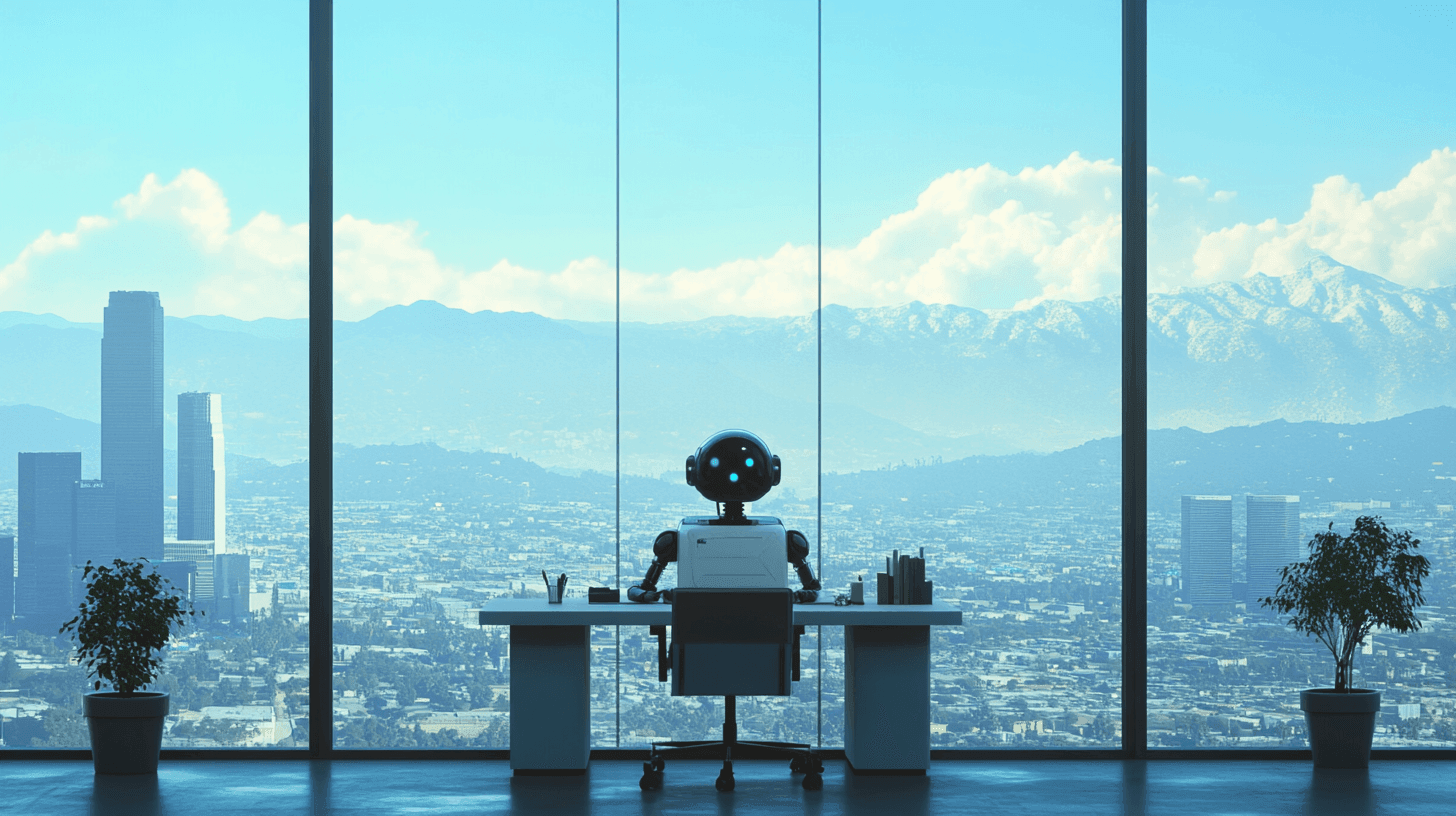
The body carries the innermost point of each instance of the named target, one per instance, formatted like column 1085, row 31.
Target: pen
column 547, row 580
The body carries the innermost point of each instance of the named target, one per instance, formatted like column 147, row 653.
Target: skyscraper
column 201, row 478
column 233, row 587
column 94, row 526
column 46, row 532
column 1208, row 550
column 1272, row 540
column 200, row 554
column 93, row 529
column 7, row 582
column 131, row 420
column 182, row 575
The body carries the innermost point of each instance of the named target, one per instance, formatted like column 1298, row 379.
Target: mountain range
column 1407, row 458
column 900, row 384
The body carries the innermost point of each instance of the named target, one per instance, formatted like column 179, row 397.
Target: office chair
column 731, row 643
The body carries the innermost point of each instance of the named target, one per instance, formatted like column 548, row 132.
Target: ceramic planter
column 126, row 732
column 1341, row 725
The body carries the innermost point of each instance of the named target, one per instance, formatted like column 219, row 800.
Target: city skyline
column 66, row 521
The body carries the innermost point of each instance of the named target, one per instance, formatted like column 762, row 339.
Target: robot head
column 733, row 466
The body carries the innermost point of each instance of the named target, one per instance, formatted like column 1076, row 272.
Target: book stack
column 903, row 581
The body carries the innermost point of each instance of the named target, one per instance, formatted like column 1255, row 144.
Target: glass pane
column 474, row 354
column 972, row 342
column 1299, row 351
column 718, row 294
column 153, row 389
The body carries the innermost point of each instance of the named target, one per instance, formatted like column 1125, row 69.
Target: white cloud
column 1406, row 234
column 176, row 238
column 17, row 270
column 980, row 236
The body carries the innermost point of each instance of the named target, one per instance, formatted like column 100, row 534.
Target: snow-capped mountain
column 904, row 383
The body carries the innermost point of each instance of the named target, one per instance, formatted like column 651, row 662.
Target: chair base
column 802, row 759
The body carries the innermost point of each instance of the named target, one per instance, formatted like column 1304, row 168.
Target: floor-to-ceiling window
column 1301, row 238
column 972, row 228
column 512, row 177
column 153, row 353
column 717, row 298
column 473, row 386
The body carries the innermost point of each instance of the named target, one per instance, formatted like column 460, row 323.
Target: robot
column 730, row 549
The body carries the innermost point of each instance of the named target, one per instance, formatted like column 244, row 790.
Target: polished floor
column 1002, row 787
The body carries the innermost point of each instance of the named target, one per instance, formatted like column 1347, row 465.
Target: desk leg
column 887, row 698
column 550, row 699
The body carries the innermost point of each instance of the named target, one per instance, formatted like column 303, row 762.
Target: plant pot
column 1341, row 725
column 126, row 732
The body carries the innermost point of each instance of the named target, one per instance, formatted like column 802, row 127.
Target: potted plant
column 1348, row 585
column 126, row 618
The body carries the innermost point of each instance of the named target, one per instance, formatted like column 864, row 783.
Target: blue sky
column 472, row 134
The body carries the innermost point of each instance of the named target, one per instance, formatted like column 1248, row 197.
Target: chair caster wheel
column 651, row 777
column 813, row 781
column 725, row 778
column 796, row 765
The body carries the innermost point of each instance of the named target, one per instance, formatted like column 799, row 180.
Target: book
column 904, row 574
column 882, row 589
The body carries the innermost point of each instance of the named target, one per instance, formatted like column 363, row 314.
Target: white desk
column 886, row 677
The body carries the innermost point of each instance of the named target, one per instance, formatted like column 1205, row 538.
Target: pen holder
column 553, row 594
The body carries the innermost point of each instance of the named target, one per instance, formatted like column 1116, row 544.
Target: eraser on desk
column 603, row 595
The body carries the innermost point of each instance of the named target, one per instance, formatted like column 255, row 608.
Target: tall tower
column 131, row 420
column 47, row 545
column 7, row 582
column 1272, row 541
column 1208, row 550
column 201, row 478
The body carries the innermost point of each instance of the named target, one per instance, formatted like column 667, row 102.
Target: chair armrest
column 798, row 631
column 664, row 660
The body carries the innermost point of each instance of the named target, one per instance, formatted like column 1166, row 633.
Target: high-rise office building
column 7, row 582
column 46, row 546
column 94, row 522
column 201, row 478
column 201, row 555
column 232, row 586
column 1272, row 542
column 131, row 420
column 1208, row 550
column 93, row 530
column 182, row 575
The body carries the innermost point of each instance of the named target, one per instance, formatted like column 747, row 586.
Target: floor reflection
column 125, row 795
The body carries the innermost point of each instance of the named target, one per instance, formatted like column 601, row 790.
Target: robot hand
column 799, row 557
column 664, row 552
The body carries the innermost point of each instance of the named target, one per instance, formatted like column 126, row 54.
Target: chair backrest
column 732, row 642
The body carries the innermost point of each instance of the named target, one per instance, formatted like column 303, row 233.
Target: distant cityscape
column 1027, row 545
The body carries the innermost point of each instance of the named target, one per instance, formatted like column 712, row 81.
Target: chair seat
column 730, row 669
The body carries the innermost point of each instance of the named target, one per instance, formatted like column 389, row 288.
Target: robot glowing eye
column 733, row 477
column 749, row 463
column 713, row 462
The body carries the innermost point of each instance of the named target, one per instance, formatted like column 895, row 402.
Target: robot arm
column 664, row 551
column 799, row 557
